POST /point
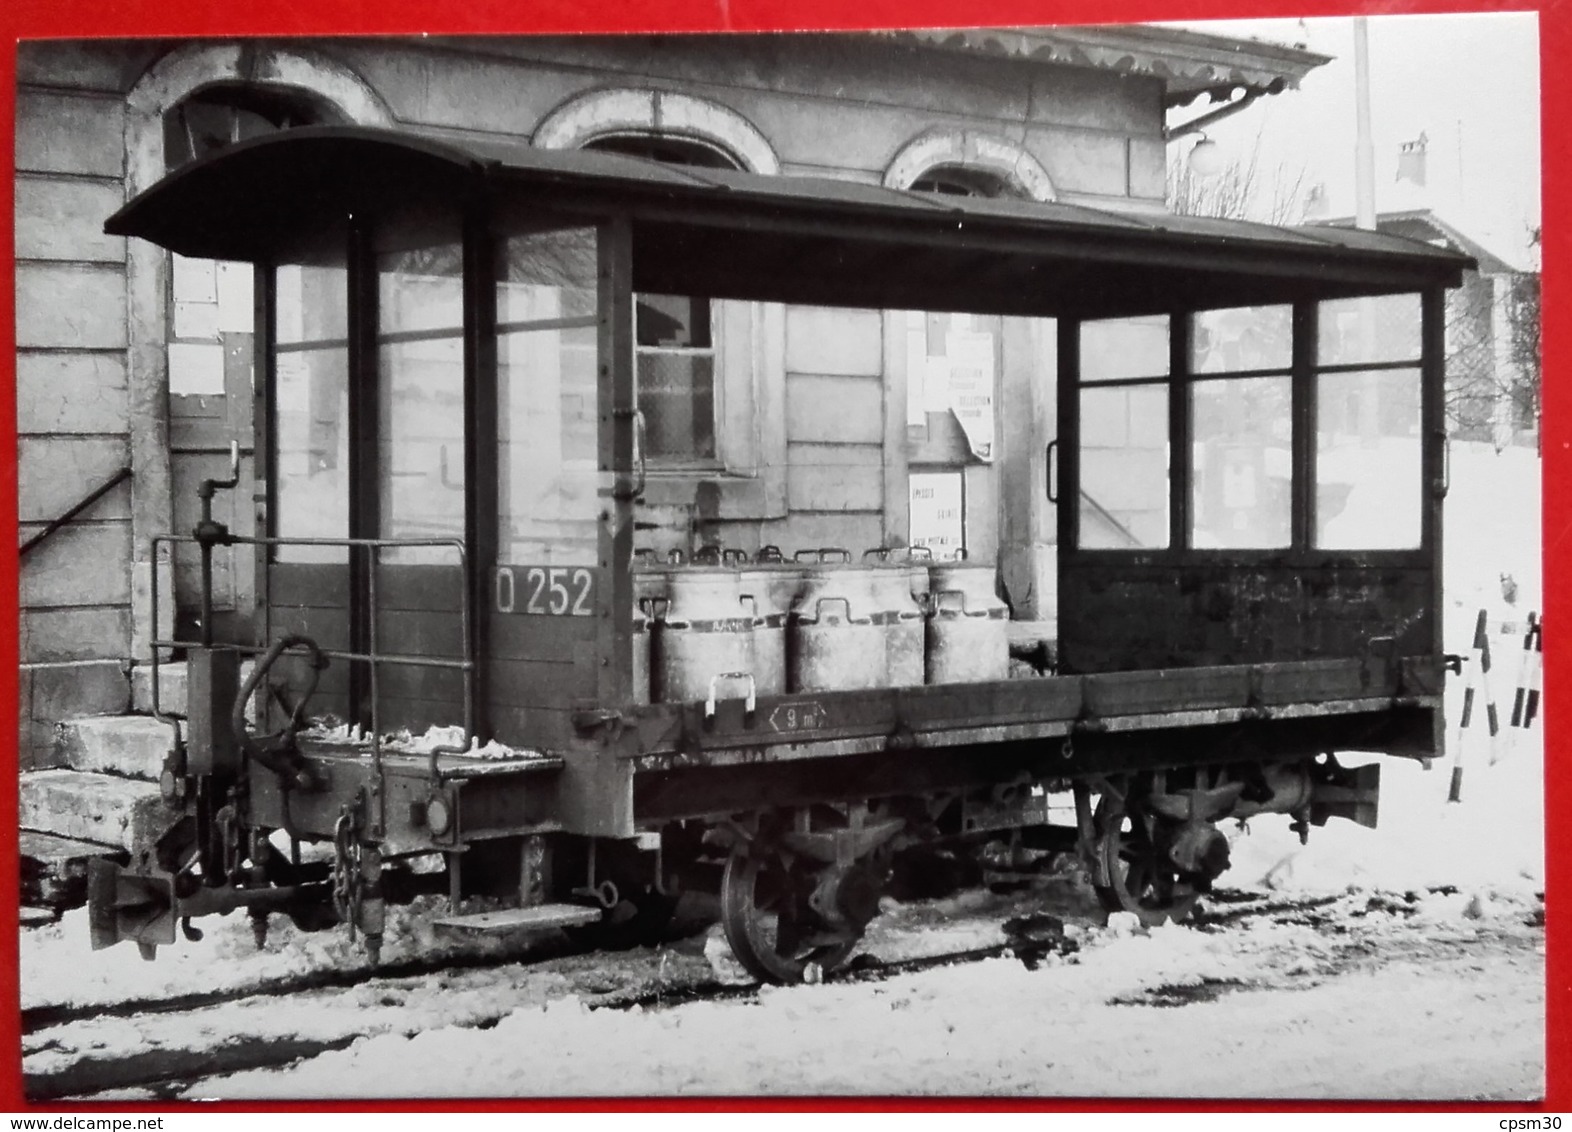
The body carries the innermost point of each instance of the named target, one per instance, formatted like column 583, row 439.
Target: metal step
column 537, row 917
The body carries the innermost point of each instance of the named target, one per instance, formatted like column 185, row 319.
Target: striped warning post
column 1524, row 668
column 1536, row 675
column 1481, row 658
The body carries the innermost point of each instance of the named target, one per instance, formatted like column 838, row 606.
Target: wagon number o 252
column 551, row 591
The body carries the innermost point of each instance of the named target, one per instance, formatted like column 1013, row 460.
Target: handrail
column 87, row 501
column 465, row 664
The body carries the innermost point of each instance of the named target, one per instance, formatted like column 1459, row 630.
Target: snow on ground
column 58, row 965
column 995, row 1027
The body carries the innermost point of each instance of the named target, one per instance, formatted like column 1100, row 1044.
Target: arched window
column 225, row 113
column 968, row 163
column 958, row 180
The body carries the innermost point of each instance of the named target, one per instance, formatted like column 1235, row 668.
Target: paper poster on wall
column 236, row 303
column 196, row 369
column 195, row 280
column 936, row 519
column 196, row 320
column 971, row 388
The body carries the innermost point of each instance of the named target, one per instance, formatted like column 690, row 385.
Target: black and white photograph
column 995, row 562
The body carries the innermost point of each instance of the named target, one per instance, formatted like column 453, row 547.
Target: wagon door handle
column 1050, row 466
column 638, row 451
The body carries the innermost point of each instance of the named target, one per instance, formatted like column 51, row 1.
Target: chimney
column 1317, row 204
column 1411, row 160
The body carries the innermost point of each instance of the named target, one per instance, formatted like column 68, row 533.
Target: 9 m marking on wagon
column 798, row 717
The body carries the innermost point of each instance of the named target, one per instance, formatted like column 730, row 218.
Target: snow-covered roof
column 1424, row 225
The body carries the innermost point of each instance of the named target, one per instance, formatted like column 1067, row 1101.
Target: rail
column 371, row 657
column 83, row 504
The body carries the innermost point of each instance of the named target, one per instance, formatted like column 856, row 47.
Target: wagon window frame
column 1307, row 376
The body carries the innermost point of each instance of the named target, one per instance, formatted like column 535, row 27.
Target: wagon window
column 1369, row 470
column 1124, row 434
column 311, row 405
column 420, row 415
column 1241, row 428
column 547, row 435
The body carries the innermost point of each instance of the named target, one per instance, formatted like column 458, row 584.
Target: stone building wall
column 93, row 315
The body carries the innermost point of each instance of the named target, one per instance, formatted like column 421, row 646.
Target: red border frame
column 22, row 19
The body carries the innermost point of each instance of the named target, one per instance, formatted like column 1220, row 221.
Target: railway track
column 163, row 1068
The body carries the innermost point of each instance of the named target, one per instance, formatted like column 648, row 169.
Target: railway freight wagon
column 1247, row 473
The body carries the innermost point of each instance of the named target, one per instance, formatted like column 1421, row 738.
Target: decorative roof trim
column 1189, row 63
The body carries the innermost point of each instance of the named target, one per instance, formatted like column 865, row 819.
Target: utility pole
column 1364, row 146
column 1364, row 217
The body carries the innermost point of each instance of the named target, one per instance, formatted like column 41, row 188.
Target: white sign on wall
column 936, row 518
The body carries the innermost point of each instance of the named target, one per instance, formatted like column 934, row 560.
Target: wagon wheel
column 1131, row 858
column 767, row 922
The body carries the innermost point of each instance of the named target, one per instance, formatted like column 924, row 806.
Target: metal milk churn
column 706, row 638
column 890, row 582
column 640, row 693
column 649, row 607
column 968, row 639
column 771, row 583
column 836, row 642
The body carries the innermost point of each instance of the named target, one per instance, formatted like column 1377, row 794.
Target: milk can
column 918, row 561
column 968, row 639
column 836, row 643
column 650, row 584
column 706, row 637
column 771, row 584
column 640, row 693
column 890, row 582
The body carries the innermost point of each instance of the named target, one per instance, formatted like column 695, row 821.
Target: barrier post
column 1481, row 658
column 1536, row 675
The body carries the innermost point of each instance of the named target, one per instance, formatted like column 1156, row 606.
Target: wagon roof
column 782, row 238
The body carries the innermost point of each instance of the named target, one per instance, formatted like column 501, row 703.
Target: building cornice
column 1189, row 63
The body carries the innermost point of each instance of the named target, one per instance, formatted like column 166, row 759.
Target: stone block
column 834, row 410
column 83, row 633
column 91, row 807
column 853, row 530
column 55, row 472
column 825, row 340
column 172, row 686
column 835, row 477
column 70, row 392
column 107, row 65
column 80, row 564
column 70, row 305
column 58, row 132
column 132, row 746
column 65, row 691
column 64, row 220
